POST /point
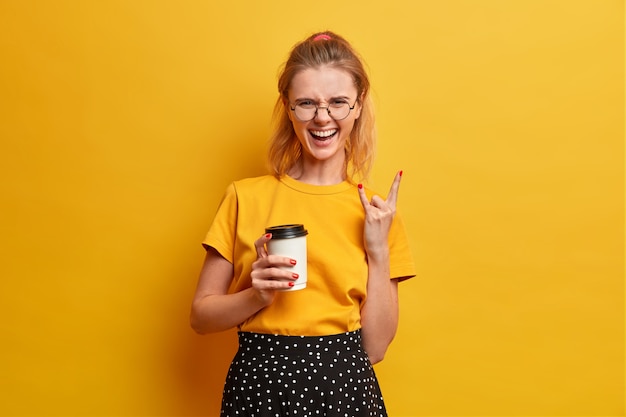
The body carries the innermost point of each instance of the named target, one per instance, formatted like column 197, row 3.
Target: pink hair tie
column 322, row 37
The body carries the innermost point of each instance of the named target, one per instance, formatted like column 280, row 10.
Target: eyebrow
column 317, row 101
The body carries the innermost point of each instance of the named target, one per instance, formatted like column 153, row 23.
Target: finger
column 274, row 273
column 392, row 197
column 259, row 244
column 272, row 278
column 273, row 285
column 364, row 201
column 279, row 260
column 379, row 203
column 273, row 261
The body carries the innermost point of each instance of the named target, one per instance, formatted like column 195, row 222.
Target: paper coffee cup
column 290, row 240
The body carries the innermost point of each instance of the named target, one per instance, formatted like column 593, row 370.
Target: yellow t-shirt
column 337, row 265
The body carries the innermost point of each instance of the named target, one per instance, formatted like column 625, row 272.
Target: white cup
column 290, row 240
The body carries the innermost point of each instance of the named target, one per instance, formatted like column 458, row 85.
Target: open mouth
column 323, row 134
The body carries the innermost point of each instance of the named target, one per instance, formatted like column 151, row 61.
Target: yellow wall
column 121, row 123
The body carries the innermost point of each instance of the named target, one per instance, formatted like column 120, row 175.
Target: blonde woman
column 308, row 352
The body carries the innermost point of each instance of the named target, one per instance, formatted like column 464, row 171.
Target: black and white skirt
column 295, row 376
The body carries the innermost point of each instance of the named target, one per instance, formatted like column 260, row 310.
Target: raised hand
column 379, row 215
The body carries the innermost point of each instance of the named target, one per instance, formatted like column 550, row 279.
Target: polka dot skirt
column 296, row 376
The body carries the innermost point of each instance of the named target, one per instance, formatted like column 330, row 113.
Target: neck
column 318, row 173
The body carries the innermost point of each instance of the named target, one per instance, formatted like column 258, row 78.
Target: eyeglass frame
column 317, row 107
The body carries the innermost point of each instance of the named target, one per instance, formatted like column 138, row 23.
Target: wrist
column 261, row 298
column 380, row 254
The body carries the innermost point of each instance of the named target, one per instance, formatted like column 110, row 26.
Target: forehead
column 322, row 83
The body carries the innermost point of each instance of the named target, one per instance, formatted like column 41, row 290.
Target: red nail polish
column 295, row 276
column 400, row 173
column 267, row 236
column 360, row 186
column 291, row 284
column 292, row 261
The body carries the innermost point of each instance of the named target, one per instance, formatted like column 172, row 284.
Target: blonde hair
column 323, row 49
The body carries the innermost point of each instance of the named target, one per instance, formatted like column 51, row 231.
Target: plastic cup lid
column 287, row 231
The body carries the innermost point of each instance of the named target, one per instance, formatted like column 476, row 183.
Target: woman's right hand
column 267, row 273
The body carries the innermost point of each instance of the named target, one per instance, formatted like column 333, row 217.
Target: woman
column 308, row 352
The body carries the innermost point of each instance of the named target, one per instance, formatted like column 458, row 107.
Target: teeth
column 323, row 133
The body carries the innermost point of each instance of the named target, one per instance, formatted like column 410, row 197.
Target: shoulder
column 255, row 183
column 253, row 187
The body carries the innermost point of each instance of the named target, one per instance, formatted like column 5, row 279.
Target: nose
column 323, row 116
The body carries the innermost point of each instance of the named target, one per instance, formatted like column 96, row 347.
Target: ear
column 357, row 110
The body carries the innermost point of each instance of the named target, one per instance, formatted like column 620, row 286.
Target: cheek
column 299, row 131
column 348, row 127
column 297, row 127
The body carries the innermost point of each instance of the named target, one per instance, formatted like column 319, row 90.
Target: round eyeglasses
column 306, row 110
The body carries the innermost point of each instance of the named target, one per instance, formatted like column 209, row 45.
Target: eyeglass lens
column 307, row 111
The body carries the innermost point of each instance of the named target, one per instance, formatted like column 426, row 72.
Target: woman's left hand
column 379, row 215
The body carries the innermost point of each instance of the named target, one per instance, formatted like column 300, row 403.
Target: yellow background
column 121, row 123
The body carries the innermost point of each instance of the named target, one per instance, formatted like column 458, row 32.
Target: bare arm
column 214, row 309
column 379, row 315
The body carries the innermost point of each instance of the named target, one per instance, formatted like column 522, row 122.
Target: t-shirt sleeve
column 221, row 234
column 400, row 257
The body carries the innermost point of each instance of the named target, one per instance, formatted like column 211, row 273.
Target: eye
column 338, row 102
column 306, row 104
